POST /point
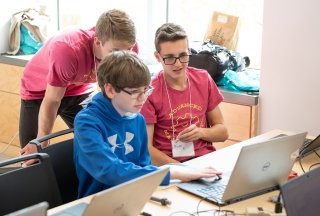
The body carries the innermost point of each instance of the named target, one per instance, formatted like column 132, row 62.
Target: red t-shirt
column 65, row 60
column 205, row 96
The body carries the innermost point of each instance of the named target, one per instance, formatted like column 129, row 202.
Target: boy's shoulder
column 157, row 79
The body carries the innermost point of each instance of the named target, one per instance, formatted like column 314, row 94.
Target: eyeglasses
column 172, row 60
column 137, row 94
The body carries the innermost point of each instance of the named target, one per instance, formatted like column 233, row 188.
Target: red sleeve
column 215, row 96
column 63, row 65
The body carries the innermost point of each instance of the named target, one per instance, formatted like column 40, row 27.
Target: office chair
column 61, row 155
column 23, row 187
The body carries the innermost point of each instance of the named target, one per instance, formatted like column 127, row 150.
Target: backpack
column 217, row 60
column 27, row 31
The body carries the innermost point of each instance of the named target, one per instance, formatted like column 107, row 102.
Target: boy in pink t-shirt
column 60, row 78
column 182, row 114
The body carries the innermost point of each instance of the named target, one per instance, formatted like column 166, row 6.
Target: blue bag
column 28, row 44
column 247, row 80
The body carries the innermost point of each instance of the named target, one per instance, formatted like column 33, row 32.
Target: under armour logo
column 113, row 141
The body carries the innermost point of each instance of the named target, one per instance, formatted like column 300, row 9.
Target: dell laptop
column 260, row 168
column 127, row 198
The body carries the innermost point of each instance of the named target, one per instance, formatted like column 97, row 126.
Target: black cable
column 316, row 164
column 300, row 159
column 278, row 205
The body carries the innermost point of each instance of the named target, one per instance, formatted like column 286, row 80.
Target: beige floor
column 7, row 151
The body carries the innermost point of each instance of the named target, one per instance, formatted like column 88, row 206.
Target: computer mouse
column 211, row 179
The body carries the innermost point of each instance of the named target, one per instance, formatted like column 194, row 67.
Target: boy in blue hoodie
column 110, row 137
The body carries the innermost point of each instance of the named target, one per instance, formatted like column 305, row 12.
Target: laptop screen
column 301, row 194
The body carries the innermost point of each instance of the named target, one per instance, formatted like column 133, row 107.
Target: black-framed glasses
column 138, row 94
column 172, row 60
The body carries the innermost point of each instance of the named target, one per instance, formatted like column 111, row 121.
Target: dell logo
column 266, row 166
column 118, row 209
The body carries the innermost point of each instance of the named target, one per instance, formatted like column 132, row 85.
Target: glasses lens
column 145, row 93
column 169, row 60
column 184, row 59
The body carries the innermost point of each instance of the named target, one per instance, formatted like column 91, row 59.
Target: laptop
column 301, row 194
column 39, row 209
column 309, row 146
column 127, row 198
column 260, row 168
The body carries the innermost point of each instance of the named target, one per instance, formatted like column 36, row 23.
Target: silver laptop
column 301, row 194
column 128, row 198
column 39, row 209
column 260, row 168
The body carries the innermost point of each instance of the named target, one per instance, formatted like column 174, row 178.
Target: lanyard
column 189, row 85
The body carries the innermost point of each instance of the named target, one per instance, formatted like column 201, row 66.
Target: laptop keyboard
column 306, row 143
column 213, row 191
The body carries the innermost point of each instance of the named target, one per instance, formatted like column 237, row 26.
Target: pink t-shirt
column 205, row 96
column 65, row 60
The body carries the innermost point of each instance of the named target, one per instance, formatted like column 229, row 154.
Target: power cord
column 211, row 211
column 311, row 166
column 278, row 205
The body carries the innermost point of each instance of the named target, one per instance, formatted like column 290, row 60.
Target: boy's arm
column 158, row 158
column 216, row 132
column 49, row 109
column 47, row 116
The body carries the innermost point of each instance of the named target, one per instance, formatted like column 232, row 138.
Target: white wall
column 290, row 66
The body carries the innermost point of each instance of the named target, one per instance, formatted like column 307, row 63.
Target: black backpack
column 217, row 60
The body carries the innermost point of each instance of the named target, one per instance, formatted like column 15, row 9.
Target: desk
column 183, row 201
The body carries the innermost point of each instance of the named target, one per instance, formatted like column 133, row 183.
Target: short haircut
column 123, row 69
column 169, row 32
column 115, row 25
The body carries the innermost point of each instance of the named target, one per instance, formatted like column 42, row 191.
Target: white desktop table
column 185, row 203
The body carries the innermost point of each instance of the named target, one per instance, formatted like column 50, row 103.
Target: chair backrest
column 23, row 187
column 61, row 155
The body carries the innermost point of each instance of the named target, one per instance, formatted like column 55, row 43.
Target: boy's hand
column 186, row 173
column 28, row 149
column 190, row 134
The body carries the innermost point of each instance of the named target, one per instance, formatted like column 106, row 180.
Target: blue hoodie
column 109, row 149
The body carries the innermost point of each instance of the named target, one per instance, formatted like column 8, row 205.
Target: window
column 147, row 15
column 193, row 15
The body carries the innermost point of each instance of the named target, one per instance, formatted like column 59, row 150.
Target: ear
column 97, row 42
column 109, row 90
column 157, row 55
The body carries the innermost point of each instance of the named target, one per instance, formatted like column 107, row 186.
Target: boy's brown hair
column 123, row 69
column 169, row 32
column 117, row 25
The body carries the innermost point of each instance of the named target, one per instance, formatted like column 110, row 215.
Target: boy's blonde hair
column 123, row 69
column 116, row 25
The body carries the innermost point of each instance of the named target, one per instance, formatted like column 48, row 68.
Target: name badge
column 182, row 149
